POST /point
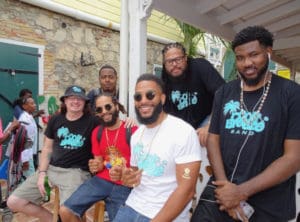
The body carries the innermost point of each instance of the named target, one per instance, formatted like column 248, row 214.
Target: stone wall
column 65, row 40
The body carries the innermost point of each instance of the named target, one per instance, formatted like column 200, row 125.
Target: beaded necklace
column 260, row 102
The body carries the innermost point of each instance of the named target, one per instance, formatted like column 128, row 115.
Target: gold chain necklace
column 259, row 103
column 151, row 141
column 113, row 145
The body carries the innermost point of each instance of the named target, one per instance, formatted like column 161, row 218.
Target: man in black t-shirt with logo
column 190, row 87
column 64, row 157
column 254, row 140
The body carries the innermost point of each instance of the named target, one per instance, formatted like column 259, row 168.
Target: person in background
column 254, row 140
column 26, row 119
column 17, row 104
column 108, row 83
column 64, row 157
column 190, row 87
column 165, row 160
column 5, row 134
column 110, row 149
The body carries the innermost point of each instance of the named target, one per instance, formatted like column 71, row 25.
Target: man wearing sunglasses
column 110, row 150
column 190, row 87
column 64, row 157
column 165, row 160
column 108, row 83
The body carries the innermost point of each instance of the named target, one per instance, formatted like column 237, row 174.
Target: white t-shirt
column 157, row 151
column 31, row 128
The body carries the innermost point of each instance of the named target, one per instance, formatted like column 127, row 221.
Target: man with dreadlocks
column 190, row 87
column 111, row 149
column 254, row 139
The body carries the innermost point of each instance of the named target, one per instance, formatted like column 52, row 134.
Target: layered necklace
column 260, row 102
column 112, row 146
column 149, row 144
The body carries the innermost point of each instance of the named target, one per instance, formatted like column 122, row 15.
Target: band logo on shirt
column 184, row 100
column 69, row 140
column 150, row 163
column 243, row 121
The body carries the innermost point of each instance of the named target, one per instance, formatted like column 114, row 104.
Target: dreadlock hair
column 173, row 45
column 114, row 101
column 106, row 66
column 154, row 78
column 252, row 33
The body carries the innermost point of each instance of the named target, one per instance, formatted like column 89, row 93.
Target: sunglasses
column 149, row 95
column 100, row 109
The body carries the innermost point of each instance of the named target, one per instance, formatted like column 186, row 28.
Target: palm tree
column 191, row 37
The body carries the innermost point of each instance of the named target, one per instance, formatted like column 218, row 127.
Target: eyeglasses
column 99, row 109
column 177, row 60
column 149, row 95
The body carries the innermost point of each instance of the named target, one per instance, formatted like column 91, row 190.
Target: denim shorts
column 127, row 214
column 94, row 190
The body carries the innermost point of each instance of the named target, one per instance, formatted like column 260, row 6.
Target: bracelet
column 42, row 171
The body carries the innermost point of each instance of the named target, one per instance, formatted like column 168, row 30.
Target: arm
column 215, row 157
column 186, row 175
column 277, row 172
column 44, row 163
column 7, row 133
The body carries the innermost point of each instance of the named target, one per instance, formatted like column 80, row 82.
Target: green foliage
column 191, row 37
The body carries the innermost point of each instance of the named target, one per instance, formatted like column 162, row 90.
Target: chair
column 98, row 211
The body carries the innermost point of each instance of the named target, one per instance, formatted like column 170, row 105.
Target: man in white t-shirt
column 165, row 160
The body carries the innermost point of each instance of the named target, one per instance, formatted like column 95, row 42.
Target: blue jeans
column 127, row 214
column 95, row 189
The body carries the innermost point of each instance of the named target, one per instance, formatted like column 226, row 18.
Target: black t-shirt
column 278, row 120
column 71, row 140
column 190, row 97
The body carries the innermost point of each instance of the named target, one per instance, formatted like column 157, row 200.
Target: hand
column 129, row 122
column 95, row 165
column 25, row 166
column 14, row 125
column 40, row 183
column 40, row 112
column 131, row 177
column 203, row 134
column 237, row 214
column 115, row 173
column 228, row 194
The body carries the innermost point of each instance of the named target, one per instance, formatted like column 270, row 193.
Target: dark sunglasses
column 149, row 95
column 107, row 107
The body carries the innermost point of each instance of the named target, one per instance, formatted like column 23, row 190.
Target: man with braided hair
column 110, row 150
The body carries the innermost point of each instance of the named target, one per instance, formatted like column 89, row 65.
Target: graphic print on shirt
column 184, row 100
column 113, row 157
column 243, row 121
column 69, row 140
column 150, row 163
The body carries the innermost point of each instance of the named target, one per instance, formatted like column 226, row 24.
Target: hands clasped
column 229, row 196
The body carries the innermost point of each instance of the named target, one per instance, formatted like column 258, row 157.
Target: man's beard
column 256, row 80
column 151, row 119
column 113, row 120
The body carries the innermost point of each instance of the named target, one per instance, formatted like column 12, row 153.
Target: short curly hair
column 252, row 33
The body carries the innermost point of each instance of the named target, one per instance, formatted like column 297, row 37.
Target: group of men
column 250, row 126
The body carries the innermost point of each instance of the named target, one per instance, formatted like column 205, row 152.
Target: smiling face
column 252, row 62
column 175, row 62
column 107, row 111
column 74, row 104
column 149, row 100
